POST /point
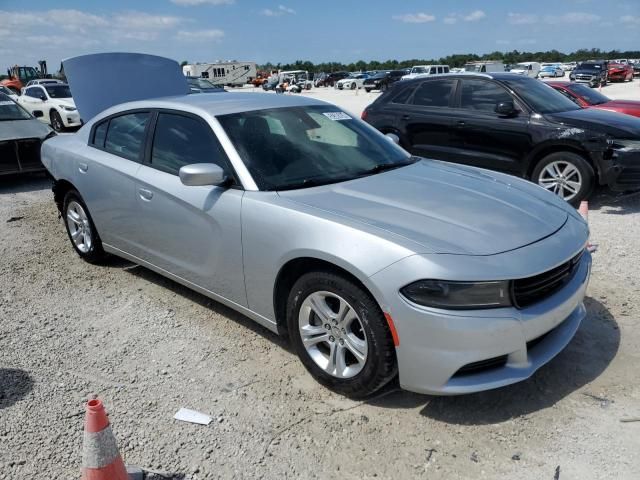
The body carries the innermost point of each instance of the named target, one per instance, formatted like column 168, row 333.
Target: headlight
column 624, row 145
column 458, row 295
column 67, row 108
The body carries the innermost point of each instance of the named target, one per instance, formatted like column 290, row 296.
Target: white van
column 424, row 70
column 484, row 66
column 530, row 69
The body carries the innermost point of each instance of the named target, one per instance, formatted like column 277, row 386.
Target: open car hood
column 102, row 80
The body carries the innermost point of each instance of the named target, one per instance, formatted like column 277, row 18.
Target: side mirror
column 198, row 174
column 392, row 137
column 43, row 98
column 505, row 108
column 38, row 114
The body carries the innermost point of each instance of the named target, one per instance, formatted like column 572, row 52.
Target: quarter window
column 434, row 93
column 125, row 136
column 482, row 95
column 100, row 134
column 181, row 140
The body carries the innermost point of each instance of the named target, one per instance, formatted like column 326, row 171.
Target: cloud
column 415, row 17
column 580, row 18
column 630, row 20
column 474, row 16
column 146, row 21
column 522, row 18
column 278, row 12
column 193, row 3
column 200, row 35
column 503, row 42
column 450, row 20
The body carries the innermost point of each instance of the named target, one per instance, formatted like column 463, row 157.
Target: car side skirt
column 265, row 322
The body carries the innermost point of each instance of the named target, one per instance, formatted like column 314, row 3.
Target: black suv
column 513, row 124
column 383, row 80
column 331, row 79
column 594, row 72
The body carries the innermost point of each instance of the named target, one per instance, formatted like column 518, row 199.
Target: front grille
column 629, row 176
column 583, row 77
column 527, row 291
column 19, row 155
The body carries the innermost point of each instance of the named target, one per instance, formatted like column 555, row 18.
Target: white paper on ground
column 192, row 416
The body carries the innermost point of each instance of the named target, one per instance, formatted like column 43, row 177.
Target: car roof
column 215, row 104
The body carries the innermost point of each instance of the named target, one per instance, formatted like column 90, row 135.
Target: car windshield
column 418, row 70
column 10, row 110
column 300, row 147
column 540, row 96
column 591, row 66
column 201, row 83
column 58, row 91
column 591, row 96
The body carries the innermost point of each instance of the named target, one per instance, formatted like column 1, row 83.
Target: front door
column 483, row 138
column 193, row 232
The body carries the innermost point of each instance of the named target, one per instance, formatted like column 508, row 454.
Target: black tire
column 384, row 87
column 584, row 168
column 56, row 121
column 380, row 364
column 368, row 90
column 95, row 253
column 353, row 86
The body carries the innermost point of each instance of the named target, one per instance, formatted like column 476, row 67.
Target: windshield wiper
column 383, row 167
column 308, row 182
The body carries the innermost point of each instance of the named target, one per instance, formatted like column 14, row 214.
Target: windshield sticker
column 6, row 102
column 337, row 116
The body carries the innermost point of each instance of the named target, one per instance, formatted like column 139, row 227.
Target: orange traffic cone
column 584, row 210
column 100, row 457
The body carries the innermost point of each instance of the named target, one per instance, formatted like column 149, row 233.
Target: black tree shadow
column 15, row 384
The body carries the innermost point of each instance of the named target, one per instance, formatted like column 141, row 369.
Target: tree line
column 456, row 60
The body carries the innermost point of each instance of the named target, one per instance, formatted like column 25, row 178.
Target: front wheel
column 353, row 86
column 566, row 174
column 80, row 228
column 340, row 334
column 56, row 121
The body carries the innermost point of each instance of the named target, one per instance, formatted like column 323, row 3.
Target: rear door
column 426, row 118
column 190, row 231
column 483, row 138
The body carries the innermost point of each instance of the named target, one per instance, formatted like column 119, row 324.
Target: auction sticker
column 337, row 116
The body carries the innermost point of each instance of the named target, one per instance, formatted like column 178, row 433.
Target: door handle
column 406, row 117
column 83, row 167
column 460, row 123
column 145, row 194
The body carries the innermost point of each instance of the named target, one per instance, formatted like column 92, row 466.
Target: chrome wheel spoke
column 320, row 308
column 312, row 335
column 357, row 347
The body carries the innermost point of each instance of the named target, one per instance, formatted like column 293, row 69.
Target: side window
column 125, row 135
column 434, row 93
column 100, row 133
column 205, row 74
column 181, row 140
column 403, row 96
column 446, row 69
column 432, row 70
column 482, row 95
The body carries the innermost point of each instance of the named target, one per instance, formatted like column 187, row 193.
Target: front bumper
column 437, row 347
column 622, row 171
column 70, row 119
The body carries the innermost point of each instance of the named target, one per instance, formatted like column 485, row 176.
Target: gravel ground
column 148, row 346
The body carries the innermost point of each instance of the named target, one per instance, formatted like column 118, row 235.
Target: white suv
column 424, row 70
column 54, row 102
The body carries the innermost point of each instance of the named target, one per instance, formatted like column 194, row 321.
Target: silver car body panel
column 20, row 129
column 427, row 220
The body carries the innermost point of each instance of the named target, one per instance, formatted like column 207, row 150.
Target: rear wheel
column 80, row 228
column 384, row 87
column 340, row 334
column 565, row 174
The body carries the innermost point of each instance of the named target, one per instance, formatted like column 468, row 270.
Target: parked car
column 202, row 85
column 377, row 264
column 422, row 70
column 9, row 93
column 530, row 69
column 620, row 72
column 593, row 73
column 352, row 81
column 21, row 135
column 319, row 78
column 484, row 66
column 514, row 124
column 43, row 81
column 383, row 80
column 589, row 98
column 636, row 69
column 331, row 79
column 569, row 66
column 551, row 71
column 54, row 102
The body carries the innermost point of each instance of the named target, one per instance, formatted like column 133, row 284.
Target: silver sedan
column 313, row 224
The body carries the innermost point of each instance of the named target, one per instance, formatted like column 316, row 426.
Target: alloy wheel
column 562, row 178
column 79, row 227
column 56, row 123
column 332, row 334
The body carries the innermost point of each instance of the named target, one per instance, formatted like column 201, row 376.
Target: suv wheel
column 56, row 121
column 566, row 174
column 80, row 228
column 340, row 334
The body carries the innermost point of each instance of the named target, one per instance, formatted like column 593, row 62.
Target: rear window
column 434, row 93
column 125, row 136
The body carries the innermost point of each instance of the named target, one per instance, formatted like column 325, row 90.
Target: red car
column 620, row 72
column 590, row 98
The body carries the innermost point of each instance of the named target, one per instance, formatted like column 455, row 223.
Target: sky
column 327, row 30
